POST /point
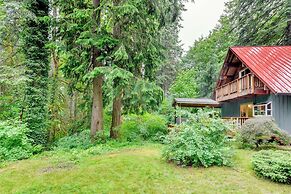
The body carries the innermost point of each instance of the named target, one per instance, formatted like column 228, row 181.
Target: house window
column 263, row 109
column 244, row 72
column 269, row 109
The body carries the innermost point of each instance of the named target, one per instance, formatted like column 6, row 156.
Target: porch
column 192, row 103
column 246, row 109
column 244, row 86
column 237, row 121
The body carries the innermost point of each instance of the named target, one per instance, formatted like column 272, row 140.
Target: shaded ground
column 134, row 170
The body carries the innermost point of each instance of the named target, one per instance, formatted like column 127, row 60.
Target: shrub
column 14, row 144
column 167, row 110
column 78, row 140
column 261, row 131
column 274, row 165
column 199, row 142
column 143, row 127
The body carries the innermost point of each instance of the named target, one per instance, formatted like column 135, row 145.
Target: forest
column 85, row 73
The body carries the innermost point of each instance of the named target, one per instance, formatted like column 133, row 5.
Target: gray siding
column 282, row 111
column 232, row 108
column 281, row 108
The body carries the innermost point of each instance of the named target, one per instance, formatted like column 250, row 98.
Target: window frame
column 266, row 109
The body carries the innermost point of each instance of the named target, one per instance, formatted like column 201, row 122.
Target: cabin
column 254, row 82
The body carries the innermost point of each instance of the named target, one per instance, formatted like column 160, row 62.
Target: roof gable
column 271, row 64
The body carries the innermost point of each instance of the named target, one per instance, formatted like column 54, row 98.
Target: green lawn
column 130, row 170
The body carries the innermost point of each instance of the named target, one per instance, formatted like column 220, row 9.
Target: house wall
column 282, row 111
column 281, row 108
column 232, row 108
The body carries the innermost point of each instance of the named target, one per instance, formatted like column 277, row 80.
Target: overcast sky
column 199, row 19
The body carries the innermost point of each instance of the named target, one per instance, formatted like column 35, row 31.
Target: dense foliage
column 185, row 85
column 37, row 68
column 78, row 140
column 14, row 144
column 262, row 131
column 274, row 165
column 143, row 127
column 201, row 141
column 261, row 22
column 12, row 69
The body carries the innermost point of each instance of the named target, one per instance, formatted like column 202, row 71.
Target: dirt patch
column 58, row 167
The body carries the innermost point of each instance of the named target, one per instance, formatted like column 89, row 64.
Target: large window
column 263, row 109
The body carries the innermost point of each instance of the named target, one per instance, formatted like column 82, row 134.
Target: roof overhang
column 196, row 103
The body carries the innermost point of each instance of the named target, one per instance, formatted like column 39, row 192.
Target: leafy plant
column 143, row 127
column 274, row 165
column 185, row 85
column 78, row 140
column 261, row 131
column 14, row 144
column 201, row 141
column 167, row 110
column 142, row 96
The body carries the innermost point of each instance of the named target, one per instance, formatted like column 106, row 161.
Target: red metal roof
column 271, row 64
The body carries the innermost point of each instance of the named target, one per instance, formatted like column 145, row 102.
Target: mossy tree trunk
column 37, row 68
column 97, row 107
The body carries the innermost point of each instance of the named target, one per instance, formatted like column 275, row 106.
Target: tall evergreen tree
column 37, row 67
column 97, row 107
column 138, row 27
column 261, row 22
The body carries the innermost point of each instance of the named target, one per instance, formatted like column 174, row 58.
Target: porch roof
column 196, row 102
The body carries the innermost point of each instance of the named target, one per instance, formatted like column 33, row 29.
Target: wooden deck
column 246, row 85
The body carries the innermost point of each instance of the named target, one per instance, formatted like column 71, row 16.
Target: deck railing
column 240, row 87
column 237, row 121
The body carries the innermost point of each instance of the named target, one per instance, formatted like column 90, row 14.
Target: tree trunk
column 73, row 106
column 116, row 115
column 117, row 101
column 97, row 108
column 54, row 76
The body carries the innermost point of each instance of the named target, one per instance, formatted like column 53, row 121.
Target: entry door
column 246, row 110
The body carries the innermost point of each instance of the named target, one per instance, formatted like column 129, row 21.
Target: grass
column 138, row 169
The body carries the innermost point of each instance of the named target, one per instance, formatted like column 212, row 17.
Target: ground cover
column 133, row 169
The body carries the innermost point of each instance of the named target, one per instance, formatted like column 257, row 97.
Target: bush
column 78, row 140
column 14, row 144
column 167, row 110
column 274, row 165
column 143, row 127
column 201, row 141
column 261, row 131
